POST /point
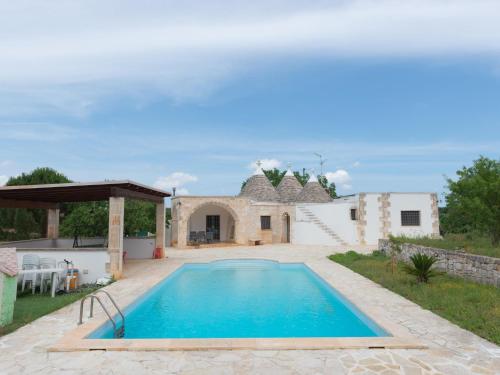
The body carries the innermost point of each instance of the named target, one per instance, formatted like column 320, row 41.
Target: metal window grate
column 410, row 218
column 265, row 222
column 354, row 214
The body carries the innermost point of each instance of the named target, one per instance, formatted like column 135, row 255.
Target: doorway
column 286, row 228
column 213, row 226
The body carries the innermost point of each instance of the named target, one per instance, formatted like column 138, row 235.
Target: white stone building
column 305, row 215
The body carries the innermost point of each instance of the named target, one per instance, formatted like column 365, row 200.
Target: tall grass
column 472, row 306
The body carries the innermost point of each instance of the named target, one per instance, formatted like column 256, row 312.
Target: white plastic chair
column 30, row 262
column 46, row 276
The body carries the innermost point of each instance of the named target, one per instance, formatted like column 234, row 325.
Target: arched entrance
column 285, row 235
column 211, row 223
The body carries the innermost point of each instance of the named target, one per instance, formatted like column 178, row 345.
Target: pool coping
column 75, row 340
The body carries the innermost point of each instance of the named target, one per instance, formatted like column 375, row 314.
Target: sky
column 395, row 95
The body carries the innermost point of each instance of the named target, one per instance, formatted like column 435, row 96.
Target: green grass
column 472, row 306
column 470, row 243
column 29, row 307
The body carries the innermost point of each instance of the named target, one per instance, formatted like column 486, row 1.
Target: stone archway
column 211, row 222
column 285, row 228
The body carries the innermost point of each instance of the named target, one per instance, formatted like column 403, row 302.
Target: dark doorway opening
column 213, row 226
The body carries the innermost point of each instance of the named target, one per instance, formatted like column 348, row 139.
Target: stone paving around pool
column 452, row 350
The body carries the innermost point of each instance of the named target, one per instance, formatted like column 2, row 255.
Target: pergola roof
column 51, row 194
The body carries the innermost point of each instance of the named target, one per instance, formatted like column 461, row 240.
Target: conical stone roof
column 259, row 188
column 289, row 187
column 313, row 192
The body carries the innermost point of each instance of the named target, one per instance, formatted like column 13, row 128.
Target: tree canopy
column 473, row 201
column 21, row 223
column 86, row 219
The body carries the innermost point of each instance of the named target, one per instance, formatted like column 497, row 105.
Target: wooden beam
column 119, row 192
column 13, row 203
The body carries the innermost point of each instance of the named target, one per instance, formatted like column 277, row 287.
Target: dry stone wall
column 478, row 268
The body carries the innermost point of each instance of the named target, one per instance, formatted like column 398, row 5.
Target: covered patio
column 50, row 197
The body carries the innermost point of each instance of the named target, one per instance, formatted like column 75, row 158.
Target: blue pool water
column 243, row 298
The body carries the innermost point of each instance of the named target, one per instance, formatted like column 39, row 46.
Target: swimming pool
column 243, row 299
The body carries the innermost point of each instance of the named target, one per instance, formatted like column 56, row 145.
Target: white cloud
column 341, row 178
column 356, row 164
column 266, row 164
column 187, row 50
column 3, row 180
column 177, row 180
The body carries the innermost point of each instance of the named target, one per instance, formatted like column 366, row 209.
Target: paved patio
column 451, row 349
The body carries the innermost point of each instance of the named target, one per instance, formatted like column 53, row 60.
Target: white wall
column 139, row 247
column 91, row 264
column 198, row 221
column 336, row 215
column 398, row 202
column 372, row 218
column 411, row 202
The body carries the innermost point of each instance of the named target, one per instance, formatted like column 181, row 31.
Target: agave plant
column 421, row 267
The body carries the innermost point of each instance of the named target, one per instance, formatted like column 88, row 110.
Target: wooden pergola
column 51, row 195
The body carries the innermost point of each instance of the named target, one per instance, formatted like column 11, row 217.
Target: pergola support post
column 160, row 228
column 115, row 235
column 53, row 223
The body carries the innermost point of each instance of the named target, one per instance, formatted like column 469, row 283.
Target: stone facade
column 259, row 188
column 478, row 268
column 361, row 224
column 435, row 215
column 313, row 192
column 384, row 214
column 245, row 212
column 288, row 189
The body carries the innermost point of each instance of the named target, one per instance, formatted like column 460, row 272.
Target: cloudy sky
column 394, row 94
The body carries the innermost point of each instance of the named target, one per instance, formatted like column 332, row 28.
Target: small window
column 410, row 218
column 354, row 214
column 265, row 222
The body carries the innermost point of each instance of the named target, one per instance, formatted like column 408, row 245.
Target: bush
column 421, row 267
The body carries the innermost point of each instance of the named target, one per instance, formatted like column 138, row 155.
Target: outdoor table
column 54, row 272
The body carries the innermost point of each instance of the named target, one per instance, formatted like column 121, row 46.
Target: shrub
column 421, row 267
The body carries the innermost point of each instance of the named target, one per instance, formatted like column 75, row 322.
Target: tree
column 473, row 201
column 87, row 219
column 328, row 186
column 39, row 176
column 275, row 176
column 302, row 178
column 30, row 221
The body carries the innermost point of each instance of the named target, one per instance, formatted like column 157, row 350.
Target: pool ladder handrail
column 118, row 332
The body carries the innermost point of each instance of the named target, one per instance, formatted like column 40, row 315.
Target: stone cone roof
column 260, row 189
column 289, row 188
column 313, row 192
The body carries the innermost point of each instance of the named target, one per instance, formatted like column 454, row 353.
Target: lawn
column 472, row 306
column 474, row 244
column 29, row 307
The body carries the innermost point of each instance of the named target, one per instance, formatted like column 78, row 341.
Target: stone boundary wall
column 478, row 268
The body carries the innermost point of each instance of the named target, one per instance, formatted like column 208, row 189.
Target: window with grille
column 410, row 218
column 265, row 222
column 354, row 214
